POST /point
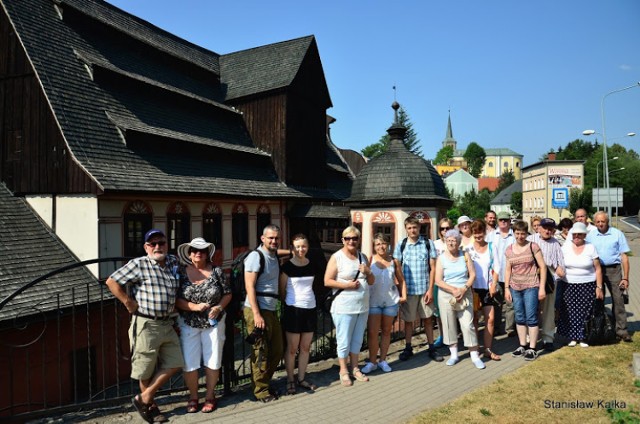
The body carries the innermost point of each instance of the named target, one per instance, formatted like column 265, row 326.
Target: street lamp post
column 598, row 182
column 605, row 175
column 612, row 172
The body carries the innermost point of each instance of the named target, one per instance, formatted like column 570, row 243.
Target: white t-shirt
column 384, row 291
column 580, row 267
column 481, row 262
column 350, row 301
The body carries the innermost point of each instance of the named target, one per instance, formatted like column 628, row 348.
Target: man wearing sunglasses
column 153, row 285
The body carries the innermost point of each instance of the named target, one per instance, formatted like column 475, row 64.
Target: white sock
column 454, row 352
column 474, row 355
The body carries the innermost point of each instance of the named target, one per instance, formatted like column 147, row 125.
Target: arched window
column 263, row 218
column 517, row 164
column 178, row 225
column 240, row 229
column 490, row 165
column 506, row 165
column 212, row 229
column 425, row 222
column 385, row 223
column 137, row 219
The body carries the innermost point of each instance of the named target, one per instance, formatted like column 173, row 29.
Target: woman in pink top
column 525, row 277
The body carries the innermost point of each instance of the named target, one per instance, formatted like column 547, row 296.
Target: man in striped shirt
column 154, row 285
column 553, row 258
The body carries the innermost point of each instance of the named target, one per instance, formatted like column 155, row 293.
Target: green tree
column 475, row 157
column 579, row 199
column 506, row 179
column 516, row 203
column 411, row 140
column 443, row 156
column 473, row 204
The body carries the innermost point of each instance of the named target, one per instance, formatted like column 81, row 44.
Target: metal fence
column 71, row 351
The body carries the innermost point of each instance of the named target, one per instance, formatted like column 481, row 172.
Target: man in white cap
column 154, row 286
column 502, row 238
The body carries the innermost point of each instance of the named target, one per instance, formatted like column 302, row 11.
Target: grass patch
column 594, row 385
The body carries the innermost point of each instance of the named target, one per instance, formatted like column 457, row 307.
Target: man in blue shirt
column 612, row 248
column 418, row 257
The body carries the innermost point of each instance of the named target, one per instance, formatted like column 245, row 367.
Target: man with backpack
column 418, row 258
column 261, row 274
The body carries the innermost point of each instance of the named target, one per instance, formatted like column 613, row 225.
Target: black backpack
column 238, row 288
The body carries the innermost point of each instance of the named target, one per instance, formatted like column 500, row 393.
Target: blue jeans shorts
column 525, row 306
column 387, row 310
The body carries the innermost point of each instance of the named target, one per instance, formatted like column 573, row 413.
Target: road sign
column 560, row 198
column 600, row 199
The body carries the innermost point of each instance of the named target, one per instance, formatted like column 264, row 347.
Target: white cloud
column 625, row 67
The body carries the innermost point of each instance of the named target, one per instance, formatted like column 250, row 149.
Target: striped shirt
column 153, row 286
column 551, row 252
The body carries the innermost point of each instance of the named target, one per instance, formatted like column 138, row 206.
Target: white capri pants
column 450, row 318
column 202, row 345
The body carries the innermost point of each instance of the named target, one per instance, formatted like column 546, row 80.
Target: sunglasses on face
column 155, row 243
column 203, row 251
column 445, row 228
column 351, row 238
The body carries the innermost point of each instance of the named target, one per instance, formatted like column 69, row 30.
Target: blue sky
column 525, row 75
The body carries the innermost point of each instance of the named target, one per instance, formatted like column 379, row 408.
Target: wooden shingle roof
column 30, row 250
column 264, row 68
column 398, row 176
column 129, row 98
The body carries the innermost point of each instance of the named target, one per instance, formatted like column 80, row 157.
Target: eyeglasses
column 351, row 238
column 445, row 228
column 155, row 243
column 503, row 220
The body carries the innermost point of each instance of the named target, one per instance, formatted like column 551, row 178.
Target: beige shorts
column 415, row 307
column 154, row 343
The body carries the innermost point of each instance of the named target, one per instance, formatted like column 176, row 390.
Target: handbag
column 330, row 296
column 549, row 285
column 598, row 328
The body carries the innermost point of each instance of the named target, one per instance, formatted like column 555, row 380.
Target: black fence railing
column 70, row 349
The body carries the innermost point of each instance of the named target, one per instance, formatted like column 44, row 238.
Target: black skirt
column 299, row 320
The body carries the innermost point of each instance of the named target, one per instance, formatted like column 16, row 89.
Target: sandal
column 142, row 408
column 209, row 406
column 268, row 399
column 345, row 379
column 489, row 354
column 291, row 387
column 155, row 413
column 358, row 375
column 192, row 406
column 307, row 385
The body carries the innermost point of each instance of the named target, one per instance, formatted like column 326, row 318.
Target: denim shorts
column 390, row 311
column 525, row 306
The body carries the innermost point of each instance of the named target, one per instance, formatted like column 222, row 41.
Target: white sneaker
column 384, row 366
column 479, row 364
column 583, row 344
column 369, row 367
column 572, row 343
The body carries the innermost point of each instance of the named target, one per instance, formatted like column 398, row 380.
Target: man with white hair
column 612, row 248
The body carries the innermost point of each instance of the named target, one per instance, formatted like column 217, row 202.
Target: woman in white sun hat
column 203, row 295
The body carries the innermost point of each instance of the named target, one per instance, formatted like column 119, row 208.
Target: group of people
column 540, row 281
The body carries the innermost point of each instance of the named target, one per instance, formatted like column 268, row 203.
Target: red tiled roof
column 490, row 183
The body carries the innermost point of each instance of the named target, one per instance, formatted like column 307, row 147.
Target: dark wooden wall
column 33, row 155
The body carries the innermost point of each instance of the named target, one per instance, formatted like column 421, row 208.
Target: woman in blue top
column 455, row 275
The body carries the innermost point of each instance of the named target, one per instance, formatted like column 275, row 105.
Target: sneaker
column 384, row 366
column 583, row 344
column 572, row 343
column 452, row 361
column 530, row 355
column 548, row 347
column 438, row 342
column 369, row 367
column 406, row 353
column 518, row 352
column 435, row 356
column 479, row 364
